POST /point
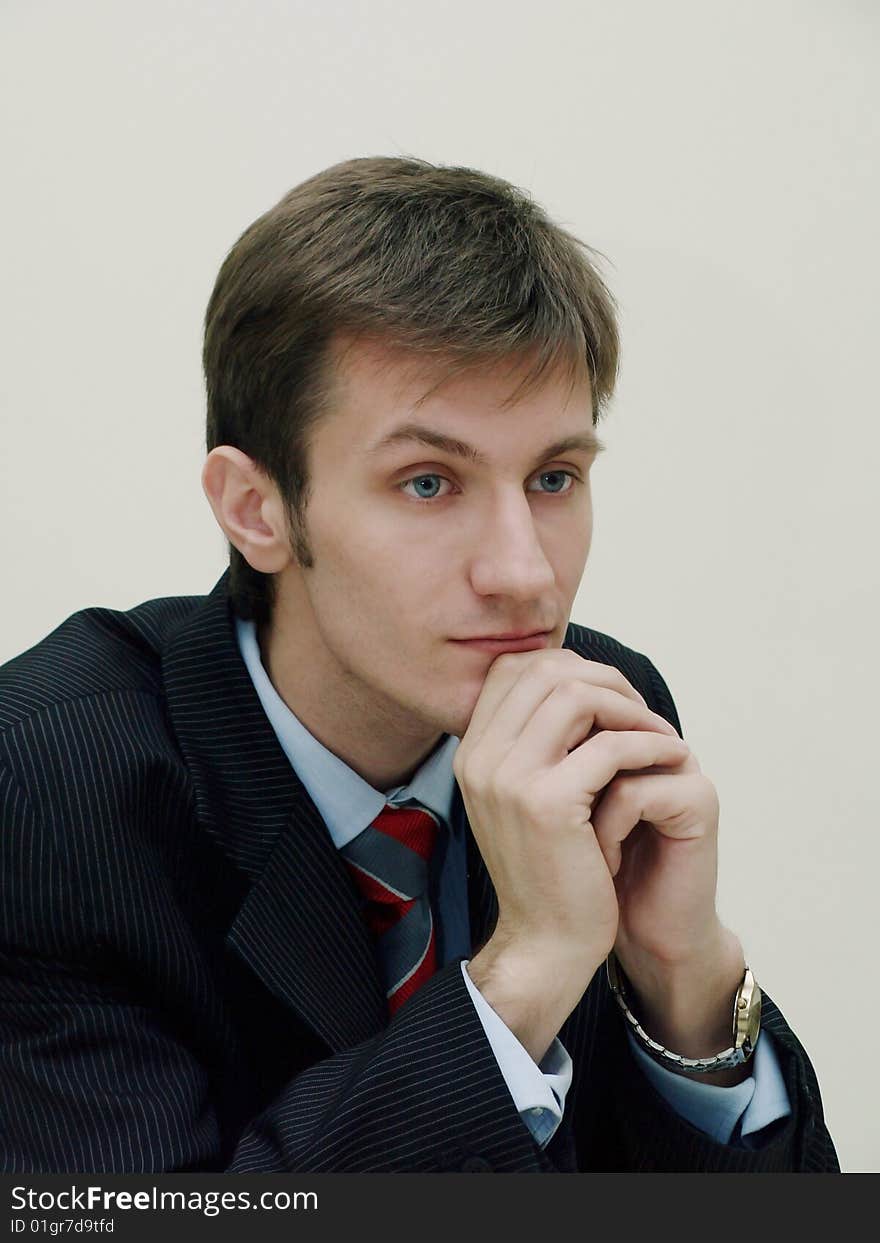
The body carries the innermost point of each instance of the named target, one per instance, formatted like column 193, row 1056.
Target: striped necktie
column 389, row 863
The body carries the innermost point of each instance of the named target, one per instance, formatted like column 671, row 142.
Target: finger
column 595, row 763
column 546, row 668
column 518, row 682
column 532, row 738
column 670, row 801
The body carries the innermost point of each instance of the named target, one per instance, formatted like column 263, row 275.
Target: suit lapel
column 250, row 800
column 324, row 967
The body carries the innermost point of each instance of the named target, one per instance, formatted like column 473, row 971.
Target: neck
column 373, row 737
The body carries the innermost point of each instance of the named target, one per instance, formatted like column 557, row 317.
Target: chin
column 457, row 719
column 443, row 711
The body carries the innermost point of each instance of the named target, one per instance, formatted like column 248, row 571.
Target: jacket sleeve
column 620, row 1123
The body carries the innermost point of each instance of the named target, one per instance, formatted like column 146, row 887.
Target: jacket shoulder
column 95, row 651
column 635, row 666
column 594, row 645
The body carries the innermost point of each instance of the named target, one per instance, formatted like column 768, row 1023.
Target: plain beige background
column 724, row 158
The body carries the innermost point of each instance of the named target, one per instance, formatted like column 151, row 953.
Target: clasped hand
column 595, row 822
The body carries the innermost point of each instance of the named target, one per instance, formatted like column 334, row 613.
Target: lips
column 528, row 643
column 513, row 634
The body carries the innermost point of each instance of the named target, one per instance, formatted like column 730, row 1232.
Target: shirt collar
column 347, row 803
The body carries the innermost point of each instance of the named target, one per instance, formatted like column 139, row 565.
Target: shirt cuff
column 538, row 1089
column 753, row 1104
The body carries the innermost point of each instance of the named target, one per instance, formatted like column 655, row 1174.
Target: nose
column 509, row 559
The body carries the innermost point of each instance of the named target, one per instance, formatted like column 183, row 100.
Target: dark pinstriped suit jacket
column 185, row 979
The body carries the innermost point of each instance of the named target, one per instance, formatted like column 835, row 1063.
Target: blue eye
column 547, row 474
column 419, row 479
column 563, row 474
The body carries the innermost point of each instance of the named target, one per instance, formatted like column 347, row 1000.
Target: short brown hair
column 454, row 264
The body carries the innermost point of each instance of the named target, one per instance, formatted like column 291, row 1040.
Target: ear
column 248, row 507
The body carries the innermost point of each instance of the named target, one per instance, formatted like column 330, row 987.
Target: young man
column 321, row 872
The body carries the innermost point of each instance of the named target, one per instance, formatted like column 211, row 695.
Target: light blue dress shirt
column 348, row 804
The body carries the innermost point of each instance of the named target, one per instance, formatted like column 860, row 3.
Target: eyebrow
column 408, row 433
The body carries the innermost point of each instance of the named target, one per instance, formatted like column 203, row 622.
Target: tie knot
column 412, row 827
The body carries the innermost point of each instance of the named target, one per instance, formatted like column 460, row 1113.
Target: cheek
column 567, row 548
column 392, row 559
column 378, row 592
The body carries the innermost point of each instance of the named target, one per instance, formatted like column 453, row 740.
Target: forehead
column 379, row 387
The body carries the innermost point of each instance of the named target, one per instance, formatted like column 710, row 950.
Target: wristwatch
column 746, row 1026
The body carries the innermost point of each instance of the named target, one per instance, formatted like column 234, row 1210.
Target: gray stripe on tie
column 389, row 861
column 402, row 947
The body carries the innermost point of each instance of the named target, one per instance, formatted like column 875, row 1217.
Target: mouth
column 526, row 643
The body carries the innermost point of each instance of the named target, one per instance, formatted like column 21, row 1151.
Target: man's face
column 416, row 547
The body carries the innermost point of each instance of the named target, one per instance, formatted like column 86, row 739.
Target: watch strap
column 746, row 1026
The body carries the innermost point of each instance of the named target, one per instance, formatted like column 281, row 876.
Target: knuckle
column 622, row 682
column 464, row 771
column 626, row 789
column 618, row 680
column 605, row 741
column 625, row 687
column 552, row 659
column 573, row 690
column 475, row 786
